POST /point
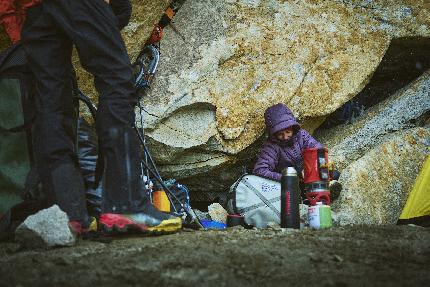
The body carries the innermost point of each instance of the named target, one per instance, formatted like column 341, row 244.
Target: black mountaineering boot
column 69, row 190
column 126, row 204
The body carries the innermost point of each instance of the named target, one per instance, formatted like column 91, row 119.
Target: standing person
column 51, row 29
column 284, row 145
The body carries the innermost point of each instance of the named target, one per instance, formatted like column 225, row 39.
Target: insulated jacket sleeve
column 308, row 141
column 267, row 162
column 122, row 9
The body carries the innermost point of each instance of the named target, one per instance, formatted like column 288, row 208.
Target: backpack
column 19, row 179
column 257, row 199
column 179, row 197
column 16, row 116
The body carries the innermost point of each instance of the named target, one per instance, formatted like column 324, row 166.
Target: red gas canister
column 316, row 175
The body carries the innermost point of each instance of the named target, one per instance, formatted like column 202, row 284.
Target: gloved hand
column 335, row 188
column 122, row 9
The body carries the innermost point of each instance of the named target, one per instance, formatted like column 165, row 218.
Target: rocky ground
column 349, row 256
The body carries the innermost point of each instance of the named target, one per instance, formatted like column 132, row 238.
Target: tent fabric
column 417, row 208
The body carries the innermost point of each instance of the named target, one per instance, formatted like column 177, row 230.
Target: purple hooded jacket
column 276, row 155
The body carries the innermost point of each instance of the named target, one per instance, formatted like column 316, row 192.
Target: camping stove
column 316, row 175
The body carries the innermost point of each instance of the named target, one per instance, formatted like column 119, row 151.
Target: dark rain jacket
column 276, row 155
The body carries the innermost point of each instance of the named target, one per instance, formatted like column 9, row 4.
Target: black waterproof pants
column 49, row 33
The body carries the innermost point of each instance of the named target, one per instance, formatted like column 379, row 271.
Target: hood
column 279, row 117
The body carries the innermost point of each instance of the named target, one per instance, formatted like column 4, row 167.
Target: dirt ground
column 352, row 256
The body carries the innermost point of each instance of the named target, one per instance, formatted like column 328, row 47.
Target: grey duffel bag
column 256, row 198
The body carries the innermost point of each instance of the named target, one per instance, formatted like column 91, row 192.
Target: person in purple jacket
column 283, row 148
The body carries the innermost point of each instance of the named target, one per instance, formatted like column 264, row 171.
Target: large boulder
column 381, row 155
column 403, row 110
column 227, row 61
column 376, row 186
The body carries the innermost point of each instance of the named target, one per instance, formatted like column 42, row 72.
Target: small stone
column 289, row 230
column 217, row 212
column 47, row 228
column 315, row 257
column 201, row 214
column 273, row 226
column 414, row 225
column 237, row 227
column 337, row 258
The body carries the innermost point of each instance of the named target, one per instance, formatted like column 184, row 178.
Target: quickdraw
column 146, row 63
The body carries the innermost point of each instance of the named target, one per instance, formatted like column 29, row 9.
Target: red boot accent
column 119, row 220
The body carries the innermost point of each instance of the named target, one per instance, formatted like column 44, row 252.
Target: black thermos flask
column 290, row 199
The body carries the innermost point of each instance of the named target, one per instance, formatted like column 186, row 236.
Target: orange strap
column 170, row 13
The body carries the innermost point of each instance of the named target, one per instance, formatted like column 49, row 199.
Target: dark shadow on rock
column 404, row 61
column 206, row 188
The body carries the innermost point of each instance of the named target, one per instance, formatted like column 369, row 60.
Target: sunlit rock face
column 380, row 156
column 376, row 186
column 224, row 62
column 227, row 61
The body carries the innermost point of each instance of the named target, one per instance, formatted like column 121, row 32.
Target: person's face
column 284, row 135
